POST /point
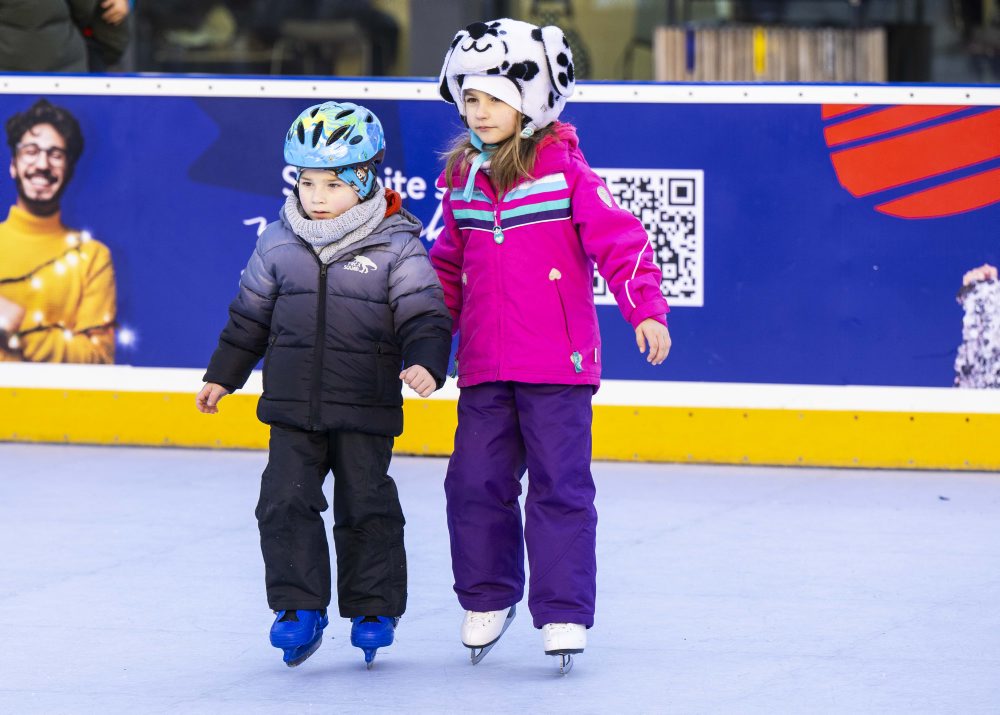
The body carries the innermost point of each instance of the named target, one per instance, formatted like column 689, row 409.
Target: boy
column 338, row 296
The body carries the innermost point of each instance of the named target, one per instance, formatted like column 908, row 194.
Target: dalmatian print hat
column 536, row 61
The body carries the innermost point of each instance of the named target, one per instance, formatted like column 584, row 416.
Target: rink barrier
column 791, row 425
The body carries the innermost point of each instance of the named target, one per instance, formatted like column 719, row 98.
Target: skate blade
column 300, row 658
column 369, row 657
column 566, row 663
column 477, row 653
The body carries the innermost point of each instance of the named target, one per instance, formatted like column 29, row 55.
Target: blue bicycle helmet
column 340, row 136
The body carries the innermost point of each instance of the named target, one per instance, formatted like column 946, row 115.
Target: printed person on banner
column 57, row 285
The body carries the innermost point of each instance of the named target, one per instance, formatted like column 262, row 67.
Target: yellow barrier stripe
column 871, row 439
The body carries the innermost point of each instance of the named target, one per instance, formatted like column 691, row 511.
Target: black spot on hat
column 477, row 30
column 523, row 70
column 552, row 100
column 493, row 70
column 445, row 92
column 536, row 34
column 562, row 59
column 505, row 65
column 570, row 73
column 458, row 38
column 563, row 79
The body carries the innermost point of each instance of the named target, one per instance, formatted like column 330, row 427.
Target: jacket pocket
column 267, row 360
column 388, row 386
column 575, row 357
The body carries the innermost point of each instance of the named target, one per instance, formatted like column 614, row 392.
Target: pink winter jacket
column 522, row 295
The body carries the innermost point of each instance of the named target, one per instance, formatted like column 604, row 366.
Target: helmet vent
column 369, row 118
column 357, row 140
column 343, row 113
column 315, row 110
column 317, row 132
column 338, row 133
column 301, row 132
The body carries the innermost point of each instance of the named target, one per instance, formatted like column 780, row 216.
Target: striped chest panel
column 544, row 199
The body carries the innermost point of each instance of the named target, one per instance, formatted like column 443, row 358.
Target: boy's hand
column 209, row 397
column 985, row 272
column 654, row 333
column 419, row 380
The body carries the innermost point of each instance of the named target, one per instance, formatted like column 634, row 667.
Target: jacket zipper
column 317, row 376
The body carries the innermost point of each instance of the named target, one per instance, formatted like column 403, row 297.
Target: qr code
column 671, row 207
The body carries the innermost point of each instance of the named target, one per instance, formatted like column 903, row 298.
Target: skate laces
column 481, row 618
column 558, row 628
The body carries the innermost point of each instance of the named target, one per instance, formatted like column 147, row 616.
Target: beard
column 42, row 207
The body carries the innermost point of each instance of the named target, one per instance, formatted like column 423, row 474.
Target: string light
column 59, row 267
column 126, row 337
column 36, row 283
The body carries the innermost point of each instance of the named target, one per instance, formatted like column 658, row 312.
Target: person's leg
column 289, row 516
column 368, row 526
column 560, row 525
column 482, row 487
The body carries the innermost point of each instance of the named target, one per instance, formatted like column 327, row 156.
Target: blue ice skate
column 298, row 634
column 369, row 633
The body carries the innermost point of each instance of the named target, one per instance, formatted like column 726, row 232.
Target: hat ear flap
column 449, row 90
column 559, row 59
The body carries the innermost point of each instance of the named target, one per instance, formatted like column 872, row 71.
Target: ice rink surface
column 131, row 582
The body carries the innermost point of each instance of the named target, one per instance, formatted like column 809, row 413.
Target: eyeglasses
column 30, row 153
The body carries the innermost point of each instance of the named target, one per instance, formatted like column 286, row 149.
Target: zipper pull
column 577, row 359
column 497, row 235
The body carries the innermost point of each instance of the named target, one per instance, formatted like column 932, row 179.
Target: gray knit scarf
column 330, row 237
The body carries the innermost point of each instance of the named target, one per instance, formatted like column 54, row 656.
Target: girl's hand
column 985, row 272
column 419, row 380
column 209, row 397
column 654, row 333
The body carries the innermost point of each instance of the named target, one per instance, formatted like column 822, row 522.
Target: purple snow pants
column 503, row 429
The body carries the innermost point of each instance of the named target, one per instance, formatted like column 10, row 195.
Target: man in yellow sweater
column 57, row 285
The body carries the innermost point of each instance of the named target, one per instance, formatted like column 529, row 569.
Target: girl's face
column 323, row 195
column 492, row 120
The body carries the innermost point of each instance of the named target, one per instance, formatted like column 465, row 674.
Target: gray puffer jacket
column 334, row 337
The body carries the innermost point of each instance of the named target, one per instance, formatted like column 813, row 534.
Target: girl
column 525, row 219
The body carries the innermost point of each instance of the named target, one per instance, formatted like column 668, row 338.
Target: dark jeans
column 368, row 523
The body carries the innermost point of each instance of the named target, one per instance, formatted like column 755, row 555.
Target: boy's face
column 323, row 195
column 492, row 119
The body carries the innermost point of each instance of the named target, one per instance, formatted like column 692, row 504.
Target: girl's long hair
column 512, row 162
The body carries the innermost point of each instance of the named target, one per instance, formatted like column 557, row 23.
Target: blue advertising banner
column 801, row 242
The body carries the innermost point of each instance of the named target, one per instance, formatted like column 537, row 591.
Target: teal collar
column 485, row 152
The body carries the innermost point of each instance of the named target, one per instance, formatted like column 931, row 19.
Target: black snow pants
column 368, row 523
